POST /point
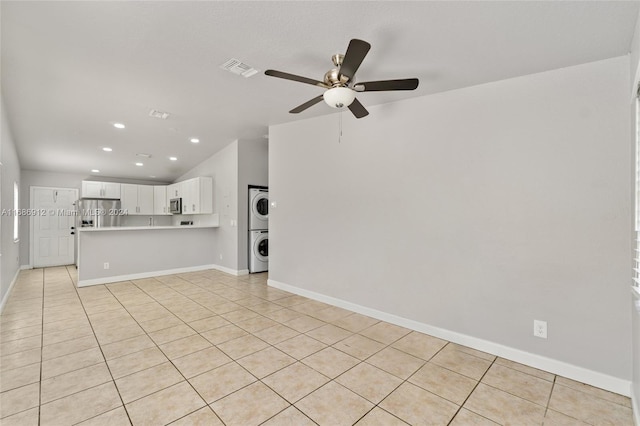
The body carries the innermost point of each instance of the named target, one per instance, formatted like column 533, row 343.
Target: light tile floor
column 207, row 348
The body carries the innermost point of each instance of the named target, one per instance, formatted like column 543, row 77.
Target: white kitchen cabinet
column 197, row 195
column 129, row 198
column 137, row 199
column 160, row 201
column 174, row 190
column 95, row 189
column 145, row 199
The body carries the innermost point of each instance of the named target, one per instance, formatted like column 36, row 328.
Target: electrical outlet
column 106, row 265
column 540, row 329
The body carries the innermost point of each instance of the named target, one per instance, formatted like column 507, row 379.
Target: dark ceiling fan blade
column 306, row 105
column 287, row 76
column 358, row 109
column 383, row 85
column 356, row 52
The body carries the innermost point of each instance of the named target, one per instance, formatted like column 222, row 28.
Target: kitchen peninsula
column 180, row 239
column 112, row 254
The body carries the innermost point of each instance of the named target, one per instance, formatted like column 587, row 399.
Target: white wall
column 635, row 80
column 142, row 253
column 223, row 168
column 10, row 260
column 253, row 169
column 473, row 211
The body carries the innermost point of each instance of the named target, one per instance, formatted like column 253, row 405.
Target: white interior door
column 52, row 218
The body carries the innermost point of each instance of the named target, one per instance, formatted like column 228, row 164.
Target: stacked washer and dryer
column 258, row 229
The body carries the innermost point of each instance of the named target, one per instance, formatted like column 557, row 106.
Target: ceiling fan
column 340, row 84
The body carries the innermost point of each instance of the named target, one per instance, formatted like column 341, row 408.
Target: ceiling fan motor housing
column 333, row 78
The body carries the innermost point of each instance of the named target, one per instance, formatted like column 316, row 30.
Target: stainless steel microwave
column 175, row 205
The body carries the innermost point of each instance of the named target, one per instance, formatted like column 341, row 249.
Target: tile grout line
column 271, row 345
column 403, row 380
column 235, row 361
column 168, row 359
column 101, row 352
column 389, row 345
column 156, row 346
column 471, row 393
column 232, row 359
column 41, row 352
column 553, row 385
column 252, row 334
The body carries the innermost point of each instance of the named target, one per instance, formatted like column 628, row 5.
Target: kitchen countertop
column 144, row 228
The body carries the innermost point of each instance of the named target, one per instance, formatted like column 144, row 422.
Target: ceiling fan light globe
column 339, row 97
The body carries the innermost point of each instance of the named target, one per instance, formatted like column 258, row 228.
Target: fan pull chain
column 340, row 128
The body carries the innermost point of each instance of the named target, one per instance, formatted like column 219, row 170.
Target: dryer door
column 259, row 209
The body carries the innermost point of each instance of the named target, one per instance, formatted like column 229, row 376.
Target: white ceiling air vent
column 158, row 114
column 237, row 67
column 143, row 155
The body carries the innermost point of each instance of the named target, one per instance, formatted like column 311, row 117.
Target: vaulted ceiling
column 70, row 70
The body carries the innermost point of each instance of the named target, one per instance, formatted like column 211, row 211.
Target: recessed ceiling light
column 95, row 171
column 139, row 164
column 107, row 149
column 118, row 125
column 194, row 140
column 173, row 158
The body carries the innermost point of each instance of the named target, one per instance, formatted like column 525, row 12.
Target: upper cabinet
column 160, row 203
column 137, row 199
column 94, row 189
column 197, row 195
column 174, row 190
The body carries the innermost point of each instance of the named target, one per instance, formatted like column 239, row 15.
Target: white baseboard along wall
column 583, row 375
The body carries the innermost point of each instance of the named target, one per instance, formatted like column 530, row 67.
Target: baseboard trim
column 25, row 267
column 236, row 272
column 580, row 374
column 128, row 277
column 5, row 298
